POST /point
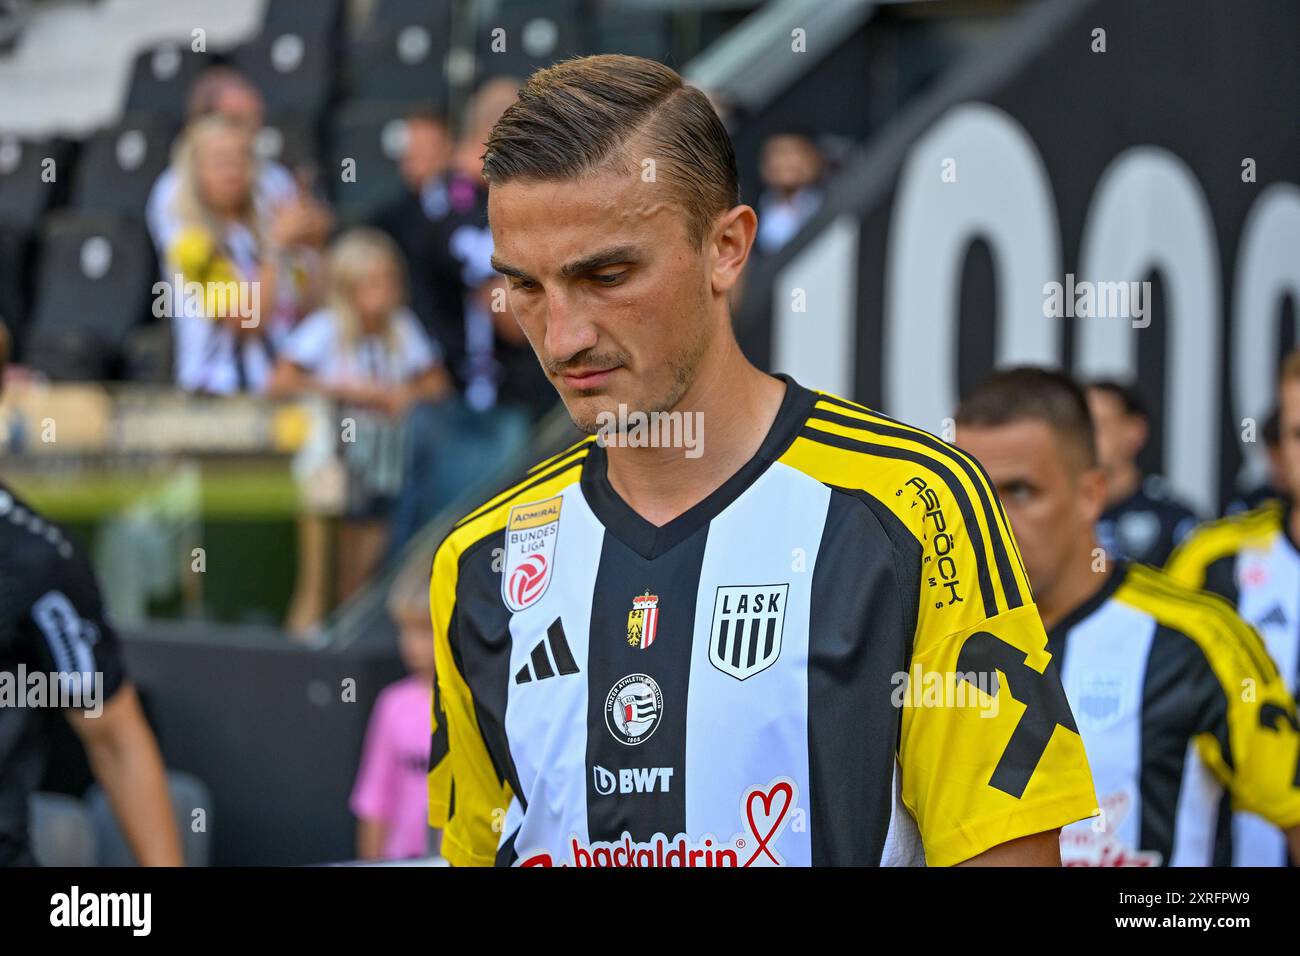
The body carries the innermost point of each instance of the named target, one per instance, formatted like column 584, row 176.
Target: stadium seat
column 398, row 62
column 161, row 79
column 294, row 68
column 288, row 139
column 533, row 40
column 61, row 830
column 15, row 283
column 119, row 165
column 28, row 184
column 434, row 13
column 373, row 136
column 96, row 284
column 304, row 16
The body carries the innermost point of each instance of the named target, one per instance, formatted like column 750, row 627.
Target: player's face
column 1289, row 426
column 1119, row 435
column 1051, row 500
column 605, row 283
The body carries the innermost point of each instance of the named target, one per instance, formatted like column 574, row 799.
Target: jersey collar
column 1056, row 637
column 650, row 541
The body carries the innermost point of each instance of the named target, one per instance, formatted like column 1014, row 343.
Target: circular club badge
column 632, row 709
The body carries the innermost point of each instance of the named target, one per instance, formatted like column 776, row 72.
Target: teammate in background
column 1140, row 522
column 1154, row 671
column 684, row 653
column 1272, row 488
column 51, row 623
column 1253, row 559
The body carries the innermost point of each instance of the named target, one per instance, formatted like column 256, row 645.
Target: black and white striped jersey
column 1182, row 714
column 1250, row 559
column 743, row 685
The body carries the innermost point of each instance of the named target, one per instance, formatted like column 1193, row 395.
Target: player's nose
column 569, row 331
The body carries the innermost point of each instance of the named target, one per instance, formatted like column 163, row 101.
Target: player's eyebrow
column 597, row 260
column 506, row 269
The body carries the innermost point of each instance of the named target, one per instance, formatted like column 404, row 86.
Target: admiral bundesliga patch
column 530, row 552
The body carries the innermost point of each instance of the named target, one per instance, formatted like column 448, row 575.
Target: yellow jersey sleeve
column 989, row 749
column 467, row 797
column 1262, row 766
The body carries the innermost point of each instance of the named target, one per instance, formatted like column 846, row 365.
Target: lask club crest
column 530, row 552
column 643, row 620
column 747, row 623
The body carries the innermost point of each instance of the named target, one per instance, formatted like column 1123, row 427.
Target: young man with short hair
column 677, row 642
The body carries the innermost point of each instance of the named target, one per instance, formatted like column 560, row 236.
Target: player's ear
column 1092, row 494
column 732, row 238
column 1138, row 433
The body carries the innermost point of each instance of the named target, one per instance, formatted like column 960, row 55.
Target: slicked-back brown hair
column 1026, row 393
column 612, row 111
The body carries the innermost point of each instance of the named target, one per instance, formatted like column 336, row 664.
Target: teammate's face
column 1289, row 426
column 1052, row 499
column 1119, row 435
column 608, row 288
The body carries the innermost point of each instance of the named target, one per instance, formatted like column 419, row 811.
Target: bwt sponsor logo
column 74, row 908
column 1098, row 300
column 766, row 813
column 635, row 429
column 632, row 780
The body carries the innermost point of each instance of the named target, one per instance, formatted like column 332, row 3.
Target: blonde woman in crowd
column 366, row 351
column 240, row 278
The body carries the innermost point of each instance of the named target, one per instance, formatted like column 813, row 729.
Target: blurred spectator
column 391, row 796
column 239, row 277
column 220, row 91
column 414, row 220
column 502, row 389
column 1141, row 521
column 791, row 168
column 368, row 352
column 1271, row 489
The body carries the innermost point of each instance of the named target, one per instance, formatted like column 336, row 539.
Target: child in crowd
column 390, row 798
column 367, row 351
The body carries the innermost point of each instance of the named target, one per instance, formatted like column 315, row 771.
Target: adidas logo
column 539, row 666
column 1275, row 615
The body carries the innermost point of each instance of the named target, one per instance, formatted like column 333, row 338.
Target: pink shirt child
column 392, row 784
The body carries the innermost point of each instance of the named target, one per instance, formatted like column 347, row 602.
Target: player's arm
column 468, row 797
column 993, row 773
column 1037, row 849
column 1262, row 767
column 125, row 759
column 69, row 635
